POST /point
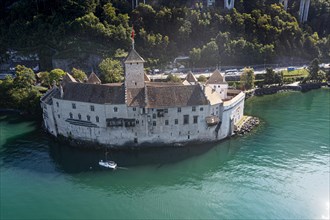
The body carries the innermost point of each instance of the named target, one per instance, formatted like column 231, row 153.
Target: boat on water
column 108, row 164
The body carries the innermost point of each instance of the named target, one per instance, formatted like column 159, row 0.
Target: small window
column 88, row 118
column 58, row 116
column 97, row 119
column 134, row 109
column 74, row 105
column 154, row 123
column 92, row 108
column 218, row 86
column 57, row 104
column 153, row 116
column 186, row 119
column 71, row 115
column 166, row 122
column 195, row 119
column 79, row 116
column 201, row 109
column 115, row 109
column 179, row 109
column 194, row 108
column 166, row 110
column 215, row 87
column 176, row 121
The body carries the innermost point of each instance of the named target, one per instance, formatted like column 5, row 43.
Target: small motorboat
column 108, row 164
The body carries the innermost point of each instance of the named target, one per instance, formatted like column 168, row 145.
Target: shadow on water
column 36, row 151
column 13, row 118
column 27, row 151
column 146, row 170
column 74, row 160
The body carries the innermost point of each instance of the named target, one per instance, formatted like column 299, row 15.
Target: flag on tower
column 132, row 36
column 133, row 33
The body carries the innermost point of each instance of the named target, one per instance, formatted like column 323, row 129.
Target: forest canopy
column 253, row 32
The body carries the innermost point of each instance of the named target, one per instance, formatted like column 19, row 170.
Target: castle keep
column 139, row 112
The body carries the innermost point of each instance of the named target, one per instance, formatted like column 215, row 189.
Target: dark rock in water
column 247, row 126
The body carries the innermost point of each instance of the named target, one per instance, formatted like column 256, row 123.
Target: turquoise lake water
column 280, row 170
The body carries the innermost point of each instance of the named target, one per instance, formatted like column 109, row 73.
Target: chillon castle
column 142, row 113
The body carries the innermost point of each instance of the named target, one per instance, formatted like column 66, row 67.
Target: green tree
column 78, row 74
column 173, row 78
column 210, row 54
column 269, row 76
column 202, row 78
column 315, row 74
column 247, row 79
column 279, row 78
column 120, row 53
column 25, row 99
column 25, row 77
column 328, row 76
column 56, row 75
column 195, row 56
column 5, row 86
column 44, row 78
column 111, row 70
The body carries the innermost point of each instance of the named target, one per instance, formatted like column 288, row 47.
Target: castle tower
column 134, row 70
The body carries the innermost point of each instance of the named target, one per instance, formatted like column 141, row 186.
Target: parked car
column 156, row 71
column 290, row 68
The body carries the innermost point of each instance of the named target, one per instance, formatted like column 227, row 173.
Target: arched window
column 70, row 115
column 88, row 118
column 79, row 116
column 115, row 109
column 97, row 118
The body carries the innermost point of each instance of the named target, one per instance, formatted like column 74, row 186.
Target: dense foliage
column 20, row 93
column 315, row 74
column 111, row 71
column 247, row 79
column 173, row 78
column 271, row 77
column 258, row 31
column 79, row 74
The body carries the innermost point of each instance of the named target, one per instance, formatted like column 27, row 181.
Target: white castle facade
column 139, row 112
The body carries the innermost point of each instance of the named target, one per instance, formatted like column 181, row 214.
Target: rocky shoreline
column 247, row 126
